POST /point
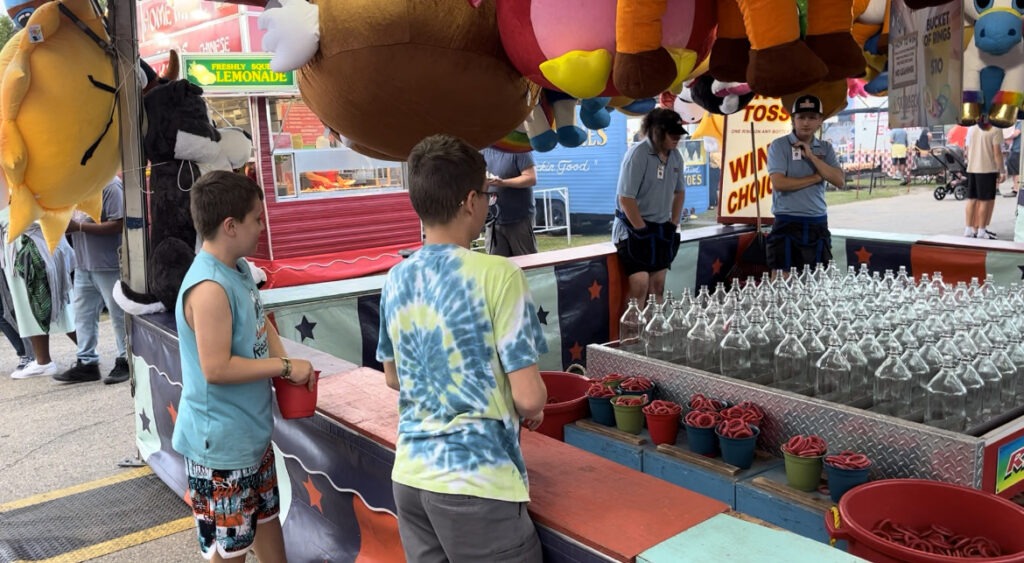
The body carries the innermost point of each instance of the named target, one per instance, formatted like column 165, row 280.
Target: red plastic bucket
column 664, row 428
column 567, row 401
column 296, row 401
column 918, row 504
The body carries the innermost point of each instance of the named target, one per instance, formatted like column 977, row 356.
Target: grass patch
column 546, row 242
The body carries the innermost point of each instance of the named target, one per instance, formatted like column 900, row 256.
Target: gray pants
column 512, row 239
column 436, row 527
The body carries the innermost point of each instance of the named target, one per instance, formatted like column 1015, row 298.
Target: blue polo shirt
column 639, row 179
column 810, row 201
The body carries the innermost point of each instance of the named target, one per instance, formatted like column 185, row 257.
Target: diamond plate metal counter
column 897, row 448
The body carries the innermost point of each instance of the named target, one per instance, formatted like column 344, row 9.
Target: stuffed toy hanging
column 58, row 117
column 387, row 73
column 993, row 65
column 590, row 48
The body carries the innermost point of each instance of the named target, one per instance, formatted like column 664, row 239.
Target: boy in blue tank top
column 459, row 340
column 229, row 353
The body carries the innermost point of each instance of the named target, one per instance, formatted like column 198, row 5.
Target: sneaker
column 22, row 362
column 78, row 373
column 988, row 234
column 120, row 372
column 33, row 369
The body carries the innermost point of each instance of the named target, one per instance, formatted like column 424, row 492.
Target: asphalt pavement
column 54, row 436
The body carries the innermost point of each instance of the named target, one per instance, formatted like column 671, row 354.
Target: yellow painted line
column 75, row 489
column 123, row 542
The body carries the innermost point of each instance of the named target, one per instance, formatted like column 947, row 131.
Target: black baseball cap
column 668, row 120
column 807, row 104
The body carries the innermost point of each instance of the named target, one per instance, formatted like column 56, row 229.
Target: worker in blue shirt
column 799, row 165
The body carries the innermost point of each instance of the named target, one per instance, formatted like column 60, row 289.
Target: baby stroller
column 951, row 158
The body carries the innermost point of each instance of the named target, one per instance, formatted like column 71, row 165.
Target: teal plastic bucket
column 739, row 451
column 601, row 410
column 702, row 441
column 842, row 480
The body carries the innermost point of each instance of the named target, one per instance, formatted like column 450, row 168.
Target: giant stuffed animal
column 759, row 42
column 993, row 64
column 58, row 118
column 588, row 48
column 387, row 73
column 181, row 144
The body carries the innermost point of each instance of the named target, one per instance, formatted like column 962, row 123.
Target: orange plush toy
column 759, row 43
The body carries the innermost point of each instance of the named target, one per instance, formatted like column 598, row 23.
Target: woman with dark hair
column 650, row 197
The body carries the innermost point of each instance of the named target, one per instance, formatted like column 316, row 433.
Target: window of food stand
column 309, row 161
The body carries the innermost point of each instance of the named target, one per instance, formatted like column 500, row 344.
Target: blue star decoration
column 542, row 315
column 145, row 420
column 305, row 329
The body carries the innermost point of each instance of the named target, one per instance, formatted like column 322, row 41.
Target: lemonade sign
column 236, row 73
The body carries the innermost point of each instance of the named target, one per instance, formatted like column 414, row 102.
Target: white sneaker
column 33, row 369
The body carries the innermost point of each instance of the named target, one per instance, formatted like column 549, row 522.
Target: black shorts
column 982, row 186
column 897, row 160
column 794, row 244
column 1013, row 164
column 651, row 249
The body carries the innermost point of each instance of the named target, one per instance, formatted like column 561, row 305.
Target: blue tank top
column 223, row 426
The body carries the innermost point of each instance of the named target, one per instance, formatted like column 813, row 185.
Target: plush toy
column 181, row 144
column 387, row 73
column 871, row 31
column 588, row 48
column 759, row 42
column 552, row 122
column 993, row 65
column 721, row 98
column 20, row 11
column 58, row 118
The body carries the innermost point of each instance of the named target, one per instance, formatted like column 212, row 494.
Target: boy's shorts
column 228, row 504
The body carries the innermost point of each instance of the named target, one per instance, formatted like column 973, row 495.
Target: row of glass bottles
column 775, row 332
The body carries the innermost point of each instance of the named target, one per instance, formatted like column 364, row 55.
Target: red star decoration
column 314, row 494
column 576, row 351
column 863, row 256
column 716, row 266
column 173, row 412
column 595, row 290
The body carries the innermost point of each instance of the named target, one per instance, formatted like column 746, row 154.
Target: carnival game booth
column 338, row 463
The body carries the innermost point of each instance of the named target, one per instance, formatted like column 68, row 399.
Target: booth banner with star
column 572, row 301
column 925, row 65
column 739, row 196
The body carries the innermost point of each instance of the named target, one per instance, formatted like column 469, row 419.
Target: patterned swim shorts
column 228, row 504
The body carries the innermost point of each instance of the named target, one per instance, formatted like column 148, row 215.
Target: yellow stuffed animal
column 59, row 140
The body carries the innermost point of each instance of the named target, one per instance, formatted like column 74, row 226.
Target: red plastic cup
column 296, row 401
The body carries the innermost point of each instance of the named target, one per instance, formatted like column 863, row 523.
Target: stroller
column 951, row 158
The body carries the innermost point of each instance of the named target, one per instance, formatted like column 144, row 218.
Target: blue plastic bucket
column 601, row 410
column 842, row 480
column 739, row 451
column 702, row 441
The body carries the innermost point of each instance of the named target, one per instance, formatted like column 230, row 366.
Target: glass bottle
column 681, row 324
column 734, row 354
column 931, row 355
column 1011, row 376
column 832, row 374
column 719, row 295
column 760, row 350
column 992, row 395
column 700, row 344
column 860, row 381
column 967, row 375
column 872, row 350
column 773, row 329
column 815, row 348
column 920, row 372
column 629, row 325
column 988, row 289
column 947, row 348
column 893, row 386
column 703, row 297
column 886, row 339
column 877, row 322
column 946, row 399
column 791, row 364
column 659, row 343
column 902, row 279
column 648, row 313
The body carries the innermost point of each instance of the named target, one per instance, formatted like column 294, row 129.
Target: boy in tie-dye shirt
column 459, row 340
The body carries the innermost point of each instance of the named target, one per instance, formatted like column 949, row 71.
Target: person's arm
column 830, row 172
column 997, row 148
column 527, row 179
column 391, row 375
column 631, row 210
column 208, row 313
column 529, row 394
column 783, row 183
column 112, row 227
column 677, row 206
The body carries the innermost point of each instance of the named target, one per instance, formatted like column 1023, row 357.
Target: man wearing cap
column 799, row 165
column 650, row 201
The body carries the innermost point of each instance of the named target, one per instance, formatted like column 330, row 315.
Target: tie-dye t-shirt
column 455, row 322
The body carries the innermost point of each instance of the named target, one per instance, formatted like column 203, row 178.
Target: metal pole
column 130, row 115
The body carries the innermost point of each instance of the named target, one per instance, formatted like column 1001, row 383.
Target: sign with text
column 236, row 73
column 739, row 196
column 925, row 65
column 1010, row 464
column 222, row 36
column 156, row 17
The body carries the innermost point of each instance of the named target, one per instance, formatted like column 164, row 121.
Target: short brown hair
column 218, row 195
column 442, row 170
